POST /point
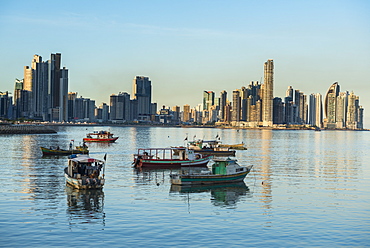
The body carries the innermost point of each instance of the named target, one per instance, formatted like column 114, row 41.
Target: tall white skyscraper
column 268, row 93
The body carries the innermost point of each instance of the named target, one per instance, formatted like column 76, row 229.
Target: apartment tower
column 268, row 93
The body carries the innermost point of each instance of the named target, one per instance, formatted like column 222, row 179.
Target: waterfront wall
column 25, row 129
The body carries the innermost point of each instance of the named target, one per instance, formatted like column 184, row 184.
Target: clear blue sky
column 186, row 47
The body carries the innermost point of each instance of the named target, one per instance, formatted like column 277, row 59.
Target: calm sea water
column 306, row 189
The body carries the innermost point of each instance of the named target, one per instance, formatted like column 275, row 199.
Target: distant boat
column 63, row 152
column 210, row 147
column 84, row 172
column 234, row 146
column 166, row 158
column 100, row 136
column 222, row 171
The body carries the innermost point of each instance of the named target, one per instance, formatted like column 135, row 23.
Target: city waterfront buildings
column 342, row 109
column 43, row 95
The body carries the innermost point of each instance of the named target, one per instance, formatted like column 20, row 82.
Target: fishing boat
column 222, row 171
column 84, row 172
column 100, row 136
column 166, row 158
column 210, row 147
column 62, row 152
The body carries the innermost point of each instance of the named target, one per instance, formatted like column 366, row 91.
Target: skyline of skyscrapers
column 43, row 92
column 43, row 95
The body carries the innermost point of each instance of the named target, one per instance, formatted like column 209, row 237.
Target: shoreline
column 47, row 127
column 203, row 126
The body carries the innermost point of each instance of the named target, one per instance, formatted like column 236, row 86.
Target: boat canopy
column 82, row 158
column 167, row 153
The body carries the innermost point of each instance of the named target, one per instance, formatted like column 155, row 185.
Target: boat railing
column 158, row 153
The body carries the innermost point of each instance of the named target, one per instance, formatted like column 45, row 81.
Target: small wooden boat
column 223, row 171
column 164, row 158
column 100, row 136
column 61, row 152
column 83, row 172
column 210, row 147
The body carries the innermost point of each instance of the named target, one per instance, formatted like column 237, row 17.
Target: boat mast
column 105, row 163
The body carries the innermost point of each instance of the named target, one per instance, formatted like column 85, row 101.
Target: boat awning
column 84, row 159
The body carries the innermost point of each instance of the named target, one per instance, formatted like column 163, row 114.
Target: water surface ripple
column 306, row 189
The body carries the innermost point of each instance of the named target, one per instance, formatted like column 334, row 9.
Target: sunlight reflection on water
column 303, row 184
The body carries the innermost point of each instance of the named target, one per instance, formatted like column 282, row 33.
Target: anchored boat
column 166, row 158
column 222, row 171
column 62, row 152
column 210, row 147
column 100, row 136
column 84, row 172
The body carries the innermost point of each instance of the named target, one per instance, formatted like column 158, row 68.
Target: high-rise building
column 315, row 110
column 186, row 113
column 353, row 111
column 302, row 107
column 79, row 113
column 208, row 99
column 71, row 105
column 102, row 113
column 268, row 93
column 5, row 105
column 243, row 103
column 142, row 93
column 18, row 85
column 27, row 78
column 341, row 111
column 236, row 107
column 319, row 111
column 360, row 124
column 120, row 107
column 40, row 88
column 330, row 105
column 289, row 112
column 54, row 79
column 176, row 114
column 223, row 102
column 278, row 111
column 290, row 92
column 63, row 95
column 21, row 104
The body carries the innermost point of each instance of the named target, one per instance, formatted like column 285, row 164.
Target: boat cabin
column 203, row 144
column 226, row 167
column 100, row 135
column 166, row 154
column 83, row 166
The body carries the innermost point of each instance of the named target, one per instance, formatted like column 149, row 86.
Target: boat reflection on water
column 221, row 194
column 85, row 206
column 148, row 176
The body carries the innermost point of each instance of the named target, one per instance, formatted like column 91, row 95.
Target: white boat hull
column 85, row 183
